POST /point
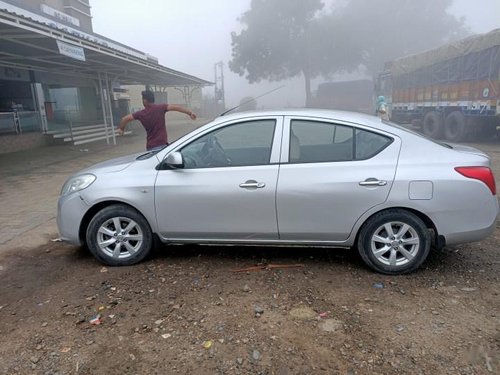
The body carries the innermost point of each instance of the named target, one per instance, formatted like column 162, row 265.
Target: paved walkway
column 30, row 182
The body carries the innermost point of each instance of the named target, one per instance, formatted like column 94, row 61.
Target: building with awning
column 55, row 72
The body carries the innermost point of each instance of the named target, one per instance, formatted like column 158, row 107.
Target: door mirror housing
column 174, row 160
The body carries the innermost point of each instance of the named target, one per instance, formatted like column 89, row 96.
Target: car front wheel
column 118, row 235
column 394, row 242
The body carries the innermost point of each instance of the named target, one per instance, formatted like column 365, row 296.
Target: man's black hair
column 148, row 95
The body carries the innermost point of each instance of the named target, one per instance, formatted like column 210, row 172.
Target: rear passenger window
column 369, row 144
column 315, row 142
column 312, row 141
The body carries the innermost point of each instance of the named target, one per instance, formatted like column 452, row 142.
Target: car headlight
column 78, row 183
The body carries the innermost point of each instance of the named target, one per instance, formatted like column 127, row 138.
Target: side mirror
column 174, row 160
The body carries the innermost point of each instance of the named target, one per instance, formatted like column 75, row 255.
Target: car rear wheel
column 394, row 242
column 118, row 235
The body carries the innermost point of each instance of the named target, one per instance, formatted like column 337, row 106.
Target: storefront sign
column 70, row 50
column 60, row 15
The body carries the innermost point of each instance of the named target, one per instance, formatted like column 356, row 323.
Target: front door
column 330, row 175
column 227, row 188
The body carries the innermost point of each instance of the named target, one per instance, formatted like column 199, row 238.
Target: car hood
column 116, row 165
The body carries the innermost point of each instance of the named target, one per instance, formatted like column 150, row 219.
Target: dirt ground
column 185, row 311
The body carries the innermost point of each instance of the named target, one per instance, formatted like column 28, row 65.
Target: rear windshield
column 400, row 127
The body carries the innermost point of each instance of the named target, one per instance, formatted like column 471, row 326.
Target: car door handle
column 373, row 182
column 252, row 184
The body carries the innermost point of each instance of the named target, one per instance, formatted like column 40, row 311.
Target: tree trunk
column 307, row 79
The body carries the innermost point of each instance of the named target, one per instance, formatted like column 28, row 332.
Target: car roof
column 345, row 116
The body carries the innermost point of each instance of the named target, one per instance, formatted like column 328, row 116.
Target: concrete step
column 79, row 132
column 76, row 128
column 83, row 134
column 87, row 134
column 95, row 137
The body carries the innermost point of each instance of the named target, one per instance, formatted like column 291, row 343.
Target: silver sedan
column 298, row 177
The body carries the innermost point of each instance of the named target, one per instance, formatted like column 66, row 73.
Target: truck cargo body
column 354, row 96
column 451, row 92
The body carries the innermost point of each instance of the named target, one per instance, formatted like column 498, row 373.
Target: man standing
column 152, row 117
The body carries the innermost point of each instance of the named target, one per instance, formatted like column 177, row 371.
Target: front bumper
column 70, row 212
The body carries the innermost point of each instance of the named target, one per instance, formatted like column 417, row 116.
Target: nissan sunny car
column 295, row 177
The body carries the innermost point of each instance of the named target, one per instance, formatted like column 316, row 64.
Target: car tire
column 432, row 125
column 394, row 242
column 128, row 245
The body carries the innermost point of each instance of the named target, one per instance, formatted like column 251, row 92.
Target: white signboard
column 60, row 15
column 70, row 50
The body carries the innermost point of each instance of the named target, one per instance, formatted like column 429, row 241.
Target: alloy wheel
column 395, row 243
column 119, row 237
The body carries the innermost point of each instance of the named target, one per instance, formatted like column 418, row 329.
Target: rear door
column 330, row 174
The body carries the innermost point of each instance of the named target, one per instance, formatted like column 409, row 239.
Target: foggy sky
column 192, row 35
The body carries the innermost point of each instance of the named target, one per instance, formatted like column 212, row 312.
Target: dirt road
column 185, row 311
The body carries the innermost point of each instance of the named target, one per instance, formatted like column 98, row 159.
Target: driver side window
column 242, row 144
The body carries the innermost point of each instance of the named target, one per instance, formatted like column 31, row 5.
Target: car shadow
column 259, row 254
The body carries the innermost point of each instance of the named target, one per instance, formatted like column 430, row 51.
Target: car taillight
column 483, row 174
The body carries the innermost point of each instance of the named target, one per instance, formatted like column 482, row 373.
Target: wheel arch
column 437, row 240
column 92, row 211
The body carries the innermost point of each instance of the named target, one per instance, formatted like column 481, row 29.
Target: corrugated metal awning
column 28, row 43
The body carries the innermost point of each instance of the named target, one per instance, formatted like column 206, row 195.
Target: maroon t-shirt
column 153, row 119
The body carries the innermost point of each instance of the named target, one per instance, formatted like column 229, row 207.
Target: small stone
column 256, row 355
column 246, row 289
column 39, row 347
column 158, row 322
column 400, row 328
column 468, row 289
column 44, row 324
column 239, row 361
column 166, row 335
column 90, row 342
column 34, row 359
column 258, row 311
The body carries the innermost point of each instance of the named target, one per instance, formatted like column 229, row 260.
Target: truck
column 345, row 95
column 451, row 92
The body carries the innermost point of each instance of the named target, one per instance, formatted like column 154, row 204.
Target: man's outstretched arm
column 178, row 108
column 123, row 123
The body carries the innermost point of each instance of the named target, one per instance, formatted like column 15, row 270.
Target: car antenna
column 248, row 101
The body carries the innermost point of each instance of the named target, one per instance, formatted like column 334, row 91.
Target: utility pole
column 219, row 84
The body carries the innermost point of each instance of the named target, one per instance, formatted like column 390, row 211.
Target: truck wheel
column 488, row 129
column 455, row 127
column 433, row 125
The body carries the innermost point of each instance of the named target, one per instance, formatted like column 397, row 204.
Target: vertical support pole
column 71, row 129
column 112, row 121
column 103, row 105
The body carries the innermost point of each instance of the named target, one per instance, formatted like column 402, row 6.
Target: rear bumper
column 480, row 232
column 470, row 236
